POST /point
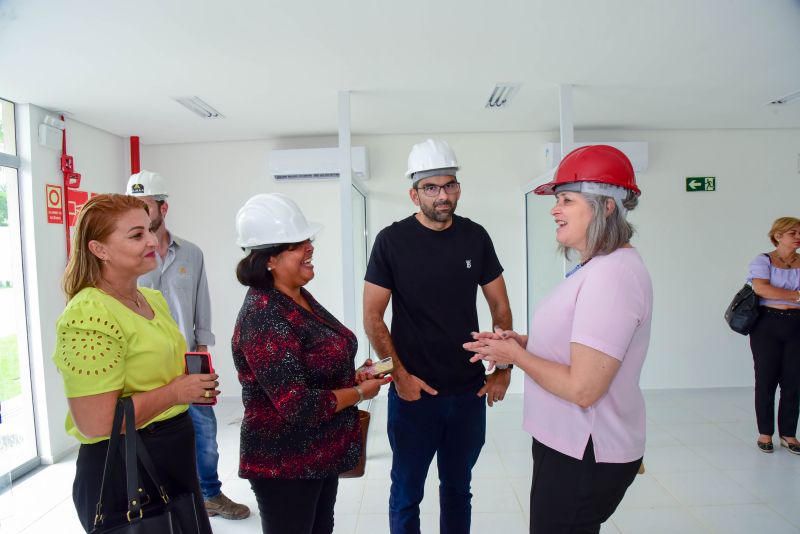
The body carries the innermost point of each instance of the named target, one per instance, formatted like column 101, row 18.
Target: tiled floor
column 704, row 474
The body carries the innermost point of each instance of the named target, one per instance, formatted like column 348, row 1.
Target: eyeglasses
column 432, row 190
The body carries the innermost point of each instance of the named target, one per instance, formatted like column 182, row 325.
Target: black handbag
column 743, row 311
column 176, row 515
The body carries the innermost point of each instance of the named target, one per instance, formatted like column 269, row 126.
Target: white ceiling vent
column 784, row 99
column 196, row 105
column 501, row 95
column 315, row 164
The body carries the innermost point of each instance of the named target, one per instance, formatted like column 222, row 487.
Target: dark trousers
column 570, row 496
column 296, row 506
column 454, row 429
column 775, row 342
column 171, row 446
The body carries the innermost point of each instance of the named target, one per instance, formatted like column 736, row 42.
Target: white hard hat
column 432, row 155
column 269, row 219
column 147, row 184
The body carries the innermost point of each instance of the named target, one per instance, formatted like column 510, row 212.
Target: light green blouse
column 104, row 346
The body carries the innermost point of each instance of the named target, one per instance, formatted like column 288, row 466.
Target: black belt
column 152, row 428
column 794, row 312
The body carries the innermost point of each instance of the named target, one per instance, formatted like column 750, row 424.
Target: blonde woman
column 775, row 338
column 115, row 340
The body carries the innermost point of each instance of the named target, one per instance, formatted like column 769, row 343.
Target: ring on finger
column 207, row 394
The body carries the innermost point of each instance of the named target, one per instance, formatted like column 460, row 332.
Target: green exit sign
column 701, row 183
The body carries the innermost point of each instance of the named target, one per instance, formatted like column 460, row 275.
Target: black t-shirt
column 434, row 278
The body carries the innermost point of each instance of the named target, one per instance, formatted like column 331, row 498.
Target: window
column 17, row 432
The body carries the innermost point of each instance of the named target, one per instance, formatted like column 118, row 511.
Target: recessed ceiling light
column 198, row 107
column 784, row 99
column 501, row 95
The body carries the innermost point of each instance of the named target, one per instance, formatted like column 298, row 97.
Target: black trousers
column 170, row 444
column 570, row 496
column 296, row 506
column 775, row 342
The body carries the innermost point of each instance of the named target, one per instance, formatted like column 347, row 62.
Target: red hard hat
column 594, row 163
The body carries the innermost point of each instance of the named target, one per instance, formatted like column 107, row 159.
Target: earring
column 269, row 268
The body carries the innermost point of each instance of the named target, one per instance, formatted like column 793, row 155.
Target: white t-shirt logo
column 469, row 264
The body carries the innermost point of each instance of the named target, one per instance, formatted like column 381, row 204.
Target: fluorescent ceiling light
column 501, row 95
column 785, row 99
column 198, row 107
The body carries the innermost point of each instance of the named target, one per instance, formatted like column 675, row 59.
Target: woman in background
column 584, row 354
column 295, row 364
column 775, row 338
column 115, row 340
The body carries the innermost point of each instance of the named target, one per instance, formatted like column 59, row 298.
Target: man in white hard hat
column 181, row 278
column 430, row 265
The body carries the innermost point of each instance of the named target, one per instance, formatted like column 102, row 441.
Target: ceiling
column 274, row 68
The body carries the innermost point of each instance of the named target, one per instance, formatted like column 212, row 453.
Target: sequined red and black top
column 289, row 360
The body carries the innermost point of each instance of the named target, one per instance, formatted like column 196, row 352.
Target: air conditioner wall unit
column 637, row 152
column 315, row 163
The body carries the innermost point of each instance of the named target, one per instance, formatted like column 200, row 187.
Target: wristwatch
column 504, row 366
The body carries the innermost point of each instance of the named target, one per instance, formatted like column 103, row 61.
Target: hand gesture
column 502, row 346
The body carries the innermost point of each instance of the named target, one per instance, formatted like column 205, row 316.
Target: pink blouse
column 606, row 305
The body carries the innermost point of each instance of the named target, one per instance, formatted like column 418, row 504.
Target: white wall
column 99, row 157
column 696, row 245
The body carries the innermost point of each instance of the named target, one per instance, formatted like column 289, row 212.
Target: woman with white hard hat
column 295, row 363
column 585, row 350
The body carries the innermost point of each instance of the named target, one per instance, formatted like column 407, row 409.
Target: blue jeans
column 205, row 444
column 452, row 427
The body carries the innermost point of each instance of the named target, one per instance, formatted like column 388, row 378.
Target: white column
column 346, row 212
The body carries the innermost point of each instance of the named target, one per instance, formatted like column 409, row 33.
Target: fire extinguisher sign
column 55, row 204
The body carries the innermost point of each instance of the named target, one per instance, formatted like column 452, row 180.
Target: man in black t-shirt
column 430, row 265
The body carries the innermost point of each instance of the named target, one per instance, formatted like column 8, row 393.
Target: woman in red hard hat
column 584, row 354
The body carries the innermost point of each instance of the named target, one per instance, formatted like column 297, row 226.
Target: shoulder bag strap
column 113, row 440
column 131, row 467
column 147, row 463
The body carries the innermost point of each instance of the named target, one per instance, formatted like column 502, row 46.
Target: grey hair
column 605, row 233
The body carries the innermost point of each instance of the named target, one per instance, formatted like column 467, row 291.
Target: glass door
column 545, row 266
column 360, row 244
column 18, row 451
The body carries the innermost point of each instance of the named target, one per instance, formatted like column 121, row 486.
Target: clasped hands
column 500, row 346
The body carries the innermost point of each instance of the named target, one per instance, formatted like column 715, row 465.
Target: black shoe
column 766, row 447
column 794, row 448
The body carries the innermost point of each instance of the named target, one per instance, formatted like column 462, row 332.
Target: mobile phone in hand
column 381, row 367
column 199, row 363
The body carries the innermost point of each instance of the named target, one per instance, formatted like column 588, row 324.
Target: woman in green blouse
column 115, row 340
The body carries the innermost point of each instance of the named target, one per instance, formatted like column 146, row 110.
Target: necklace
column 134, row 301
column 787, row 263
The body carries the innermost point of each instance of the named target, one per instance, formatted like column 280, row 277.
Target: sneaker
column 226, row 508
